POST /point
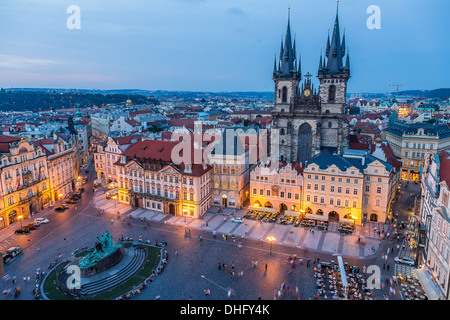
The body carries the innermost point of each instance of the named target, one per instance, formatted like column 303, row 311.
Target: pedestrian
column 219, row 266
column 266, row 268
column 384, row 266
column 14, row 279
column 112, row 221
column 387, row 266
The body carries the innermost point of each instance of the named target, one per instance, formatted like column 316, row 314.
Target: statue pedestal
column 109, row 261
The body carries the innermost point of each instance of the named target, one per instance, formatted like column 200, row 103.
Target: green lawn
column 152, row 260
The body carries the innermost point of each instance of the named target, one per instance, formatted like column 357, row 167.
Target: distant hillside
column 42, row 100
column 442, row 94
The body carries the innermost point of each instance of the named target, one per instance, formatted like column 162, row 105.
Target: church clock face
column 307, row 92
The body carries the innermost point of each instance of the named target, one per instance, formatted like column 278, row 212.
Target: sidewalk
column 288, row 235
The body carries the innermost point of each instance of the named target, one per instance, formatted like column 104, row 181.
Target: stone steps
column 117, row 278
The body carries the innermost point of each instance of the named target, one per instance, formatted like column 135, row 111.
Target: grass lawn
column 151, row 262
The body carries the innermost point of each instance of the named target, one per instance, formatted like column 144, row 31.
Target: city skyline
column 216, row 46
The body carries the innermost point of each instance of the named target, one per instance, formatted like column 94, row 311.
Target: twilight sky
column 216, row 45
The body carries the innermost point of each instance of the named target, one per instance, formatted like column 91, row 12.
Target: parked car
column 61, row 208
column 32, row 226
column 23, row 230
column 405, row 260
column 237, row 219
column 81, row 191
column 39, row 221
column 11, row 253
column 71, row 201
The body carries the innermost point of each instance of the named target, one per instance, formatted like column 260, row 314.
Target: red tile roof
column 146, row 151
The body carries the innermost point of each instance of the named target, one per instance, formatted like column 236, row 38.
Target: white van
column 41, row 220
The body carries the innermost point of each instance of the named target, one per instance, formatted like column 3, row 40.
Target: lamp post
column 61, row 197
column 114, row 198
column 20, row 219
column 271, row 239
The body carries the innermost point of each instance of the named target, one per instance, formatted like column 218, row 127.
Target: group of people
column 329, row 281
column 142, row 285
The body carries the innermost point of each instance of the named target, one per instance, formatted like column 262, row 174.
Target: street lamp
column 114, row 198
column 271, row 239
column 61, row 197
column 20, row 218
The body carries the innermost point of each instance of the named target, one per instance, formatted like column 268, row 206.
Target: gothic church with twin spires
column 311, row 121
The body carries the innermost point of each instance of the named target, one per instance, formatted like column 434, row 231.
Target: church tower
column 307, row 121
column 333, row 75
column 286, row 74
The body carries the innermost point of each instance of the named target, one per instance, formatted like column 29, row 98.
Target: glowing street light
column 20, row 219
column 271, row 239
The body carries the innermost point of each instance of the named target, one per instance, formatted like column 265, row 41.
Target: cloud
column 235, row 11
column 16, row 62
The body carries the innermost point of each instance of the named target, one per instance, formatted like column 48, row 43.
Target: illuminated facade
column 149, row 179
column 278, row 189
column 355, row 186
column 24, row 183
column 410, row 143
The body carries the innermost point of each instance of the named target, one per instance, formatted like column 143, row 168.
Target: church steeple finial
column 335, row 50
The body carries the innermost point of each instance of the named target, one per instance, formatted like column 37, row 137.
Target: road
column 187, row 274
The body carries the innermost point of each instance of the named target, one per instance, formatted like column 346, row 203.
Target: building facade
column 149, row 179
column 310, row 121
column 410, row 143
column 278, row 189
column 356, row 186
column 435, row 218
column 24, row 183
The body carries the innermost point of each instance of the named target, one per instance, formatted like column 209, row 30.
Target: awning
column 350, row 221
column 264, row 209
column 427, row 284
column 316, row 217
column 292, row 213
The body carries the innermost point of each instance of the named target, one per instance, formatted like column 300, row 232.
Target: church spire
column 288, row 63
column 335, row 50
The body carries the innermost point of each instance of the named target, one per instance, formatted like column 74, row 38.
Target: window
column 378, row 189
column 338, row 202
column 315, row 199
column 268, row 193
column 284, row 95
column 379, row 180
column 261, row 192
column 308, row 186
column 355, row 192
column 323, row 178
column 282, row 194
column 322, row 187
column 339, row 189
column 346, row 203
column 331, row 188
column 331, row 201
column 316, row 187
column 366, row 201
column 377, row 202
column 322, row 199
column 332, row 93
column 354, row 204
column 367, row 188
column 333, row 179
column 255, row 191
column 347, row 190
column 308, row 197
